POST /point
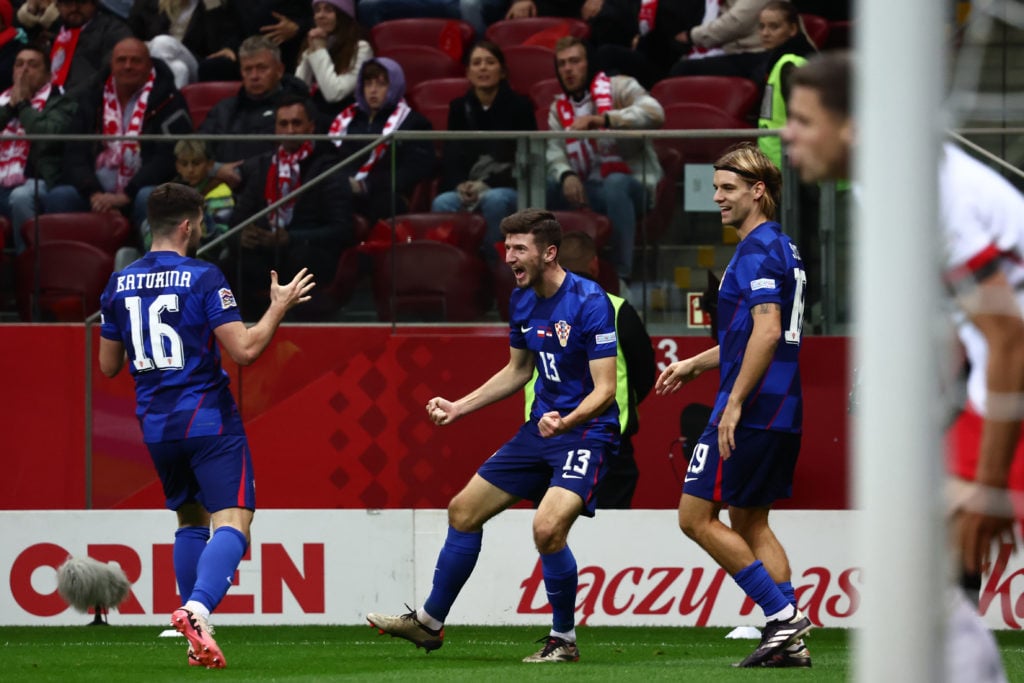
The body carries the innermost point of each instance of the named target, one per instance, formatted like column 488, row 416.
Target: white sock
column 198, row 609
column 568, row 636
column 428, row 621
column 785, row 615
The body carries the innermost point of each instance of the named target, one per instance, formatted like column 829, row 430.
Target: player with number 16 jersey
column 164, row 309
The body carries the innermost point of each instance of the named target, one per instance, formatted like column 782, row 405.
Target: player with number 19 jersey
column 164, row 309
column 766, row 268
column 565, row 332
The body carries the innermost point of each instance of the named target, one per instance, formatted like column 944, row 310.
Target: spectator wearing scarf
column 31, row 106
column 136, row 95
column 83, row 44
column 380, row 109
column 614, row 177
column 310, row 230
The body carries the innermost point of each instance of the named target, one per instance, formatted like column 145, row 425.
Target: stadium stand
column 201, row 97
column 509, row 32
column 732, row 94
column 72, row 276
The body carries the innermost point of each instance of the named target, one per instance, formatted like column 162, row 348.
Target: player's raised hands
column 441, row 411
column 293, row 293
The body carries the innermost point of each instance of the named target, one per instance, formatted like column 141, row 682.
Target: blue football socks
column 217, row 566
column 454, row 565
column 787, row 589
column 189, row 543
column 757, row 583
column 561, row 579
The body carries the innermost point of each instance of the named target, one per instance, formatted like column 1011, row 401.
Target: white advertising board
column 333, row 566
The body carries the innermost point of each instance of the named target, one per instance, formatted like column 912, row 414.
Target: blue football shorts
column 528, row 464
column 759, row 471
column 215, row 471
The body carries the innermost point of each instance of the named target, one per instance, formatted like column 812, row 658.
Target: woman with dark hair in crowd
column 332, row 55
column 478, row 174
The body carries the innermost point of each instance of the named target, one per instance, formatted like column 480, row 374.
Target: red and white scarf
column 648, row 12
column 339, row 127
column 123, row 156
column 584, row 154
column 283, row 177
column 15, row 148
column 62, row 52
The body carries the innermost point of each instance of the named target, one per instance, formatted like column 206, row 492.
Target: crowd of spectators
column 118, row 68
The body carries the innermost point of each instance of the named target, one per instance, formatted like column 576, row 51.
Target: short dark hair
column 830, row 75
column 291, row 99
column 537, row 222
column 38, row 48
column 577, row 252
column 169, row 204
column 372, row 70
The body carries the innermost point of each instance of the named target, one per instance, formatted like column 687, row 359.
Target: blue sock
column 787, row 589
column 189, row 543
column 454, row 565
column 217, row 566
column 561, row 579
column 755, row 582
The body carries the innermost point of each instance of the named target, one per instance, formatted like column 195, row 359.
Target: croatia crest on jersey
column 562, row 330
column 227, row 299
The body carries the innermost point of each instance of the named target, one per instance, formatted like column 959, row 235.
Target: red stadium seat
column 509, row 32
column 421, row 63
column 430, row 281
column 201, row 97
column 348, row 273
column 657, row 221
column 542, row 93
column 437, row 92
column 462, row 229
column 106, row 230
column 735, row 95
column 72, row 276
column 816, row 29
column 432, row 97
column 450, row 36
column 840, row 36
column 528, row 64
column 694, row 116
column 6, row 233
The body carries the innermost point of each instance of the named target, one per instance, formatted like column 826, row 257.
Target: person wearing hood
column 381, row 109
column 251, row 111
column 135, row 95
column 614, row 177
column 478, row 175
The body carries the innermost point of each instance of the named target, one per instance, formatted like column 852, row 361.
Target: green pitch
column 471, row 653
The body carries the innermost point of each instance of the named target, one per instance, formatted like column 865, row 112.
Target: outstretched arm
column 245, row 344
column 502, row 384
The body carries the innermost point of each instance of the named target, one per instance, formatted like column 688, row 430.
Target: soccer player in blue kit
column 563, row 325
column 747, row 454
column 167, row 310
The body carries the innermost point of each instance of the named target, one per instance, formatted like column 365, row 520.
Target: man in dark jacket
column 83, row 44
column 634, row 368
column 311, row 230
column 381, row 108
column 136, row 95
column 251, row 111
column 32, row 106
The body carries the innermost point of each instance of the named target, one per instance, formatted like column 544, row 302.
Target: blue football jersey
column 164, row 308
column 565, row 332
column 766, row 268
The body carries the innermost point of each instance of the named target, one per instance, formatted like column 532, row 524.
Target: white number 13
column 169, row 356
